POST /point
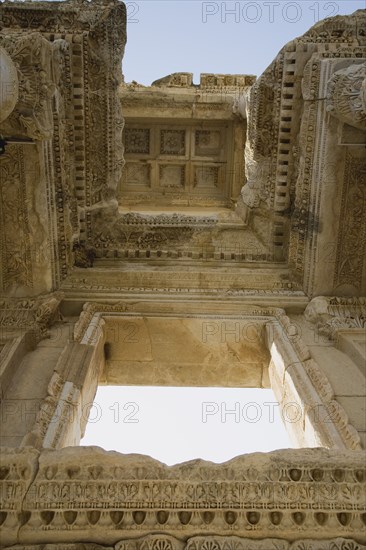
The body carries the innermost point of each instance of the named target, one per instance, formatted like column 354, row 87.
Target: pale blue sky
column 165, row 36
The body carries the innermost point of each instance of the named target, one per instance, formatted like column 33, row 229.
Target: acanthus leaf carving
column 336, row 313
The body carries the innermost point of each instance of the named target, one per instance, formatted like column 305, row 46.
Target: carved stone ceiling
column 73, row 218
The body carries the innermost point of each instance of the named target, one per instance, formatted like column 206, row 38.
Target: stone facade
column 142, row 224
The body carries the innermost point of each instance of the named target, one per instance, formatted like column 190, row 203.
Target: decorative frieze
column 166, row 542
column 350, row 261
column 15, row 246
column 86, row 493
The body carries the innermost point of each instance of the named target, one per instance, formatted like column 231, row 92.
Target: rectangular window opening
column 177, row 424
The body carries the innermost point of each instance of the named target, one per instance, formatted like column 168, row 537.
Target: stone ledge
column 86, row 493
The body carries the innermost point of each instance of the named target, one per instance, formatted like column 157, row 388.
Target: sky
column 235, row 37
column 174, row 425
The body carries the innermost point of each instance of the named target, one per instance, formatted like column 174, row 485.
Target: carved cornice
column 85, row 493
column 260, row 284
column 283, row 126
column 147, row 233
column 166, row 220
column 338, row 31
column 70, row 15
column 331, row 411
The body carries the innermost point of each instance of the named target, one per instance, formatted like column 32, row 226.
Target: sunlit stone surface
column 202, row 235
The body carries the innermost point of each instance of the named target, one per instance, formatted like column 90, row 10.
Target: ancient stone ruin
column 238, row 202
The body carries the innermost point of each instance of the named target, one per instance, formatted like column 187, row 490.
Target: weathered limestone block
column 64, row 410
column 12, row 354
column 312, row 416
